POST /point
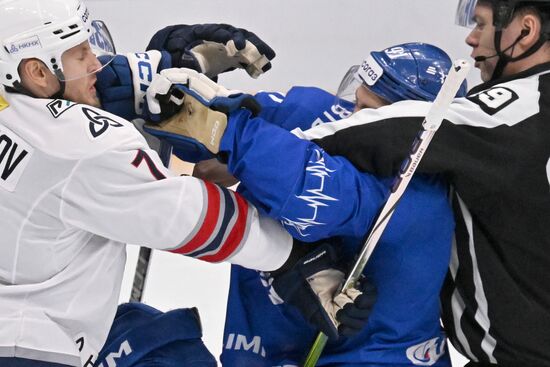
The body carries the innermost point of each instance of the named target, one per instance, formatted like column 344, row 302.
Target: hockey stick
column 144, row 257
column 431, row 123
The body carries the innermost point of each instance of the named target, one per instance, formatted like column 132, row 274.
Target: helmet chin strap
column 19, row 88
column 505, row 59
column 61, row 91
column 60, row 94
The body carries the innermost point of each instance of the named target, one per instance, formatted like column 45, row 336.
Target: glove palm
column 188, row 109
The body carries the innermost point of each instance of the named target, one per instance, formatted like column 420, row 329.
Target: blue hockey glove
column 354, row 316
column 214, row 48
column 114, row 87
column 200, row 106
column 122, row 83
column 312, row 281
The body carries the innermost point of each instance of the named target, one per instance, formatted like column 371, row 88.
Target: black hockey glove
column 213, row 49
column 354, row 316
column 311, row 281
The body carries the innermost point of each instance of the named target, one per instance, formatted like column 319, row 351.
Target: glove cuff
column 187, row 60
column 299, row 250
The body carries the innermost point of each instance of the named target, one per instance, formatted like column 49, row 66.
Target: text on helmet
column 28, row 43
column 370, row 71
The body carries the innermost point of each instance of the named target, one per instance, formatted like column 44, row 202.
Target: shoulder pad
column 68, row 130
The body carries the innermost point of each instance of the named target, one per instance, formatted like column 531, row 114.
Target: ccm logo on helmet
column 86, row 14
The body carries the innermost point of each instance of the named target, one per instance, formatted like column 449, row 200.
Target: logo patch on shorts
column 15, row 154
column 426, row 353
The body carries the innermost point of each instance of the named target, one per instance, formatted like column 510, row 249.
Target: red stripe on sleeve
column 208, row 225
column 236, row 235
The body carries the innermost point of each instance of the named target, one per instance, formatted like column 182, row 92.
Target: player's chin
column 87, row 100
column 485, row 74
column 95, row 102
column 92, row 99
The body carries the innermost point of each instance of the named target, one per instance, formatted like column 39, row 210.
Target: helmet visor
column 348, row 86
column 101, row 46
column 100, row 40
column 465, row 13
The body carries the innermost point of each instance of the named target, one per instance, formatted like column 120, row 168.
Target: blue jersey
column 302, row 107
column 316, row 196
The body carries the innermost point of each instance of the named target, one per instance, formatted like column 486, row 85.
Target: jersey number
column 493, row 100
column 141, row 156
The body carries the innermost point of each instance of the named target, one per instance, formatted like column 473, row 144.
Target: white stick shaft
column 446, row 94
column 431, row 123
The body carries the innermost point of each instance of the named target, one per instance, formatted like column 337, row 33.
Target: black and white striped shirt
column 494, row 148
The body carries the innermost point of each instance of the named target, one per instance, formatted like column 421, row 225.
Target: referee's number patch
column 495, row 99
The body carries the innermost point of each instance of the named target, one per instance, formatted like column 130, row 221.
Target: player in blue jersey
column 320, row 196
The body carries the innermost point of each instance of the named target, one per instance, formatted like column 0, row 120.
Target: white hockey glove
column 201, row 105
column 163, row 96
column 214, row 48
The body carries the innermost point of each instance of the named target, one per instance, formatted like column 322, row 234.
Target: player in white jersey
column 77, row 183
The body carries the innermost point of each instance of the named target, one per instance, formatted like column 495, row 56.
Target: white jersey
column 76, row 184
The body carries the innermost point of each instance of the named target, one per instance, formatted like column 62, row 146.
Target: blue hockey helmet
column 411, row 71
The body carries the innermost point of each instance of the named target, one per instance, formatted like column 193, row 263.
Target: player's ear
column 36, row 77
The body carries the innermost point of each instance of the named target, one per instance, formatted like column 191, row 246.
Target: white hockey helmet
column 44, row 29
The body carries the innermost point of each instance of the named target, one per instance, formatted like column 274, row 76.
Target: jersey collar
column 524, row 74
